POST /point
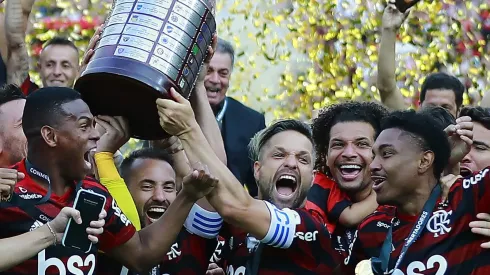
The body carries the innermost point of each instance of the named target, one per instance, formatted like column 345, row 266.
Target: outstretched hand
column 199, row 183
column 115, row 133
column 92, row 44
column 392, row 17
column 176, row 117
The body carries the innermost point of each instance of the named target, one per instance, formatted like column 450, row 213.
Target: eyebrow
column 384, row 146
column 85, row 117
column 284, row 150
column 476, row 142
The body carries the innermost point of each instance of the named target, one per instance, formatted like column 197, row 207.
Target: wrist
column 49, row 234
column 187, row 198
column 191, row 134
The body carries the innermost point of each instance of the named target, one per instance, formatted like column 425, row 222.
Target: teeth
column 157, row 209
column 350, row 166
column 214, row 90
column 287, row 177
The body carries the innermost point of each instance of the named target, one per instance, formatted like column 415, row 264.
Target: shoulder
column 235, row 104
column 472, row 180
column 94, row 185
column 323, row 181
column 380, row 219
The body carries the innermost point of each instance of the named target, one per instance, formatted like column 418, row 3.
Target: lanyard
column 221, row 113
column 43, row 176
column 380, row 265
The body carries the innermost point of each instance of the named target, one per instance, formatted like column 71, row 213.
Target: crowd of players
column 362, row 189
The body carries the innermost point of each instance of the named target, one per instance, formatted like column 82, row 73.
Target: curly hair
column 477, row 114
column 352, row 111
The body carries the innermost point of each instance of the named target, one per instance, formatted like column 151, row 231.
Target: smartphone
column 90, row 204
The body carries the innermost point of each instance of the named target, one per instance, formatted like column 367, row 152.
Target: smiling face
column 217, row 79
column 349, row 155
column 151, row 183
column 395, row 168
column 284, row 172
column 76, row 136
column 58, row 66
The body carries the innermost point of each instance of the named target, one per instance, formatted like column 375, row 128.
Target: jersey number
column 414, row 268
column 239, row 271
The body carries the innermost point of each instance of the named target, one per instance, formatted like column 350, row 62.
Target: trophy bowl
column 146, row 48
column 404, row 5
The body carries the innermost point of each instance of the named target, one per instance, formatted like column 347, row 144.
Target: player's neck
column 361, row 195
column 414, row 203
column 47, row 165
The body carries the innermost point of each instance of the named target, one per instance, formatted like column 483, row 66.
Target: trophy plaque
column 146, row 47
column 404, row 5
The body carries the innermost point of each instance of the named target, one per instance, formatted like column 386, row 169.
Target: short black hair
column 10, row 92
column 60, row 41
column 443, row 81
column 477, row 114
column 441, row 115
column 262, row 137
column 44, row 108
column 146, row 153
column 351, row 111
column 425, row 131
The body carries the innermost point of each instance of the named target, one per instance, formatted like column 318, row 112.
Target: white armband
column 203, row 223
column 282, row 228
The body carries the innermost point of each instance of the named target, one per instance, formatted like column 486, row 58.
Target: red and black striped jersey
column 446, row 244
column 326, row 198
column 191, row 252
column 14, row 220
column 308, row 249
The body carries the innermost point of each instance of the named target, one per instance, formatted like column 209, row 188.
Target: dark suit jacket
column 240, row 123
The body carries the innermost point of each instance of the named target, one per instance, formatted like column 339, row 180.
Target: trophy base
column 121, row 87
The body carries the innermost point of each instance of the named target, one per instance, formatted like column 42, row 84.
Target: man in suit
column 238, row 123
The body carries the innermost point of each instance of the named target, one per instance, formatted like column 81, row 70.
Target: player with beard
column 420, row 233
column 151, row 180
column 341, row 192
column 296, row 242
column 13, row 143
column 60, row 132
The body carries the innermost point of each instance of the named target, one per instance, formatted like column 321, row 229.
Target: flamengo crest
column 439, row 223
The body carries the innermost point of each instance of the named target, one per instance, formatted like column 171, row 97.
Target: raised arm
column 386, row 82
column 16, row 19
column 203, row 112
column 229, row 198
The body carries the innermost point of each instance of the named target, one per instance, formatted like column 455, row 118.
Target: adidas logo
column 36, row 225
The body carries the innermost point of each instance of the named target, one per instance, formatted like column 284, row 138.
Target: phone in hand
column 89, row 204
